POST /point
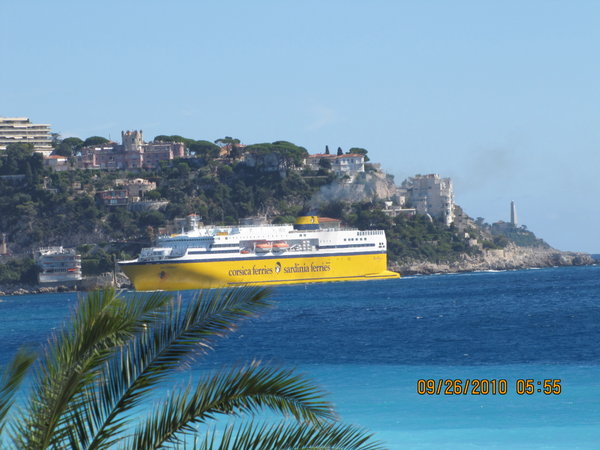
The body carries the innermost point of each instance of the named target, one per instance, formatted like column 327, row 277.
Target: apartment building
column 15, row 130
column 431, row 194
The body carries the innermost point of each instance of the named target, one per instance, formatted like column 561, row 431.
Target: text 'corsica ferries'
column 218, row 256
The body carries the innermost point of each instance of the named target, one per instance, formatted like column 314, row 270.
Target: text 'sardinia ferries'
column 217, row 256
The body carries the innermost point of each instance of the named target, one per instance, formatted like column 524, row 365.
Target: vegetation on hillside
column 43, row 208
column 521, row 236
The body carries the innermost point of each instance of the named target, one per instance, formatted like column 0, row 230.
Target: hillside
column 41, row 208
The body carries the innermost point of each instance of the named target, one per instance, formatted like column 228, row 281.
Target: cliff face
column 367, row 186
column 509, row 258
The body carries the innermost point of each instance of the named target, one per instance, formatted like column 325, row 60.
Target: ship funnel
column 307, row 223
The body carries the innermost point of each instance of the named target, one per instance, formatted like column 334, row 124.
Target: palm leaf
column 101, row 323
column 93, row 374
column 291, row 436
column 10, row 380
column 161, row 350
column 245, row 390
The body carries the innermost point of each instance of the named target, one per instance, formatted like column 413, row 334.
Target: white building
column 431, row 194
column 348, row 164
column 57, row 163
column 15, row 130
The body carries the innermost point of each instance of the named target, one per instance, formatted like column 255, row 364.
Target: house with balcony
column 345, row 164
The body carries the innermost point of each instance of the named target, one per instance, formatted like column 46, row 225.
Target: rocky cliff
column 366, row 186
column 510, row 258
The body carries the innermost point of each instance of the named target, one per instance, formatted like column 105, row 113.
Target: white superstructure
column 58, row 264
column 251, row 241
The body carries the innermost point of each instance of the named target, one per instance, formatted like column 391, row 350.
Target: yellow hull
column 182, row 275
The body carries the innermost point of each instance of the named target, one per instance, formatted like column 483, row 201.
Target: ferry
column 222, row 256
column 58, row 265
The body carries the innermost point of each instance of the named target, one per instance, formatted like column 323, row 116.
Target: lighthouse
column 513, row 214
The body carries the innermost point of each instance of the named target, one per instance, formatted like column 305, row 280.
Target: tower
column 132, row 140
column 513, row 213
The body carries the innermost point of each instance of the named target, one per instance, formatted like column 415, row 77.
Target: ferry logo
column 162, row 275
column 278, row 267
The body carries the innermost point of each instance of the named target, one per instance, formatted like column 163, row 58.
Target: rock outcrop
column 510, row 258
column 366, row 186
column 87, row 284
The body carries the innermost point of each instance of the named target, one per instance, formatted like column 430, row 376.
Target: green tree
column 325, row 164
column 151, row 218
column 68, row 146
column 17, row 157
column 95, row 140
column 174, row 138
column 227, row 140
column 359, row 151
column 114, row 352
column 205, row 149
column 165, row 138
column 289, row 154
column 152, row 195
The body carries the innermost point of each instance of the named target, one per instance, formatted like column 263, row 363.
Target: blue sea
column 368, row 344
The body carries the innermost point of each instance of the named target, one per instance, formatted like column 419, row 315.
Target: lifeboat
column 281, row 245
column 263, row 246
column 244, row 251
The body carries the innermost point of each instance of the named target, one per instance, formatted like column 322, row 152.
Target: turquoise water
column 368, row 343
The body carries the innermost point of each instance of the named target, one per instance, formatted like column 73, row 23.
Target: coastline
column 509, row 258
column 120, row 281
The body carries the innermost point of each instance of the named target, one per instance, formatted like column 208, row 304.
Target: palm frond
column 292, row 436
column 92, row 374
column 10, row 380
column 162, row 349
column 102, row 322
column 243, row 390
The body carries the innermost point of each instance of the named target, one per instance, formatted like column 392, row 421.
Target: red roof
column 324, row 155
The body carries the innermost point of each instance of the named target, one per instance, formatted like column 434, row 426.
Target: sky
column 501, row 96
